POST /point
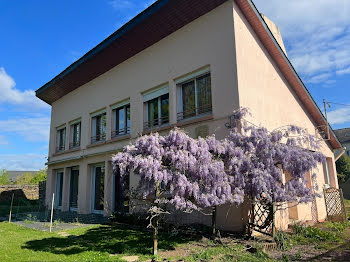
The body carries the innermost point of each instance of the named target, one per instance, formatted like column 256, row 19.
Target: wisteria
column 250, row 163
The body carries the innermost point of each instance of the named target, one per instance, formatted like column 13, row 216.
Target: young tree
column 343, row 168
column 175, row 169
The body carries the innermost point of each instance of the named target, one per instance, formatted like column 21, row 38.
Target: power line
column 334, row 103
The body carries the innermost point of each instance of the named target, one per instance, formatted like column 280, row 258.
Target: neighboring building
column 178, row 63
column 343, row 136
column 14, row 174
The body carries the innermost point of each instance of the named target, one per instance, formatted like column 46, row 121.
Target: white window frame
column 326, row 175
column 180, row 82
column 59, row 190
column 58, row 140
column 155, row 94
column 93, row 126
column 69, row 185
column 114, row 119
column 71, row 133
column 93, row 181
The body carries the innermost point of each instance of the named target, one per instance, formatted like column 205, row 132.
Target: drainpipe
column 341, row 153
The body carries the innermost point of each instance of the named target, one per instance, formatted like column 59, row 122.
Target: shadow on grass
column 340, row 253
column 110, row 239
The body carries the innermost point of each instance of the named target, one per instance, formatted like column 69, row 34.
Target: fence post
column 11, row 208
column 53, row 200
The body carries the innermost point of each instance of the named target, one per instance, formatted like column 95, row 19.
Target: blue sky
column 41, row 38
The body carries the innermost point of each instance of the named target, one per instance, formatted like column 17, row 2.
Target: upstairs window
column 121, row 120
column 75, row 131
column 156, row 108
column 61, row 139
column 98, row 128
column 194, row 96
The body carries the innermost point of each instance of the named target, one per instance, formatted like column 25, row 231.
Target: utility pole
column 325, row 104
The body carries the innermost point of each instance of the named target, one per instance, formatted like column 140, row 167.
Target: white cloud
column 31, row 129
column 318, row 78
column 25, row 162
column 343, row 71
column 339, row 116
column 11, row 95
column 316, row 33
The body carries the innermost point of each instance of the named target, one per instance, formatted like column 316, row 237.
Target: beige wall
column 249, row 79
column 271, row 100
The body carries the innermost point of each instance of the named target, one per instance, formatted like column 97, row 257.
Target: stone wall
column 21, row 191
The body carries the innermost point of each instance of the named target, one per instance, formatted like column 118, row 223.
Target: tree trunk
column 155, row 236
column 156, row 225
column 213, row 221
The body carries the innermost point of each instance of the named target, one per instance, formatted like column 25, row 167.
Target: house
column 178, row 63
column 343, row 136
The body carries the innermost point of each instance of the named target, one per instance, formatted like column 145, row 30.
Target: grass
column 84, row 244
column 229, row 253
column 97, row 243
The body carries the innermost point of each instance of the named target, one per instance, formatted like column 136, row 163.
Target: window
column 59, row 188
column 156, row 106
column 98, row 128
column 98, row 175
column 326, row 173
column 75, row 131
column 74, row 186
column 121, row 121
column 348, row 152
column 61, row 139
column 195, row 96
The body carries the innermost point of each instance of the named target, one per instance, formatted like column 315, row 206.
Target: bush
column 30, row 179
column 313, row 234
column 4, row 177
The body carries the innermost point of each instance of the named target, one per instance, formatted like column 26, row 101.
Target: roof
column 343, row 135
column 14, row 174
column 155, row 23
column 147, row 28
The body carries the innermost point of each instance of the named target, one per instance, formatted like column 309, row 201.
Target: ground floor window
column 74, row 185
column 98, row 176
column 59, row 188
column 121, row 193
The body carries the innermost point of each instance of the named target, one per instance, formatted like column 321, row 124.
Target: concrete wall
column 272, row 102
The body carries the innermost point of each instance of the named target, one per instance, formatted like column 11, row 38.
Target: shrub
column 282, row 240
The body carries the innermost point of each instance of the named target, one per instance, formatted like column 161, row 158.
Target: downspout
column 341, row 153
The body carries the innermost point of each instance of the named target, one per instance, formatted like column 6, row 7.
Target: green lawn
column 347, row 206
column 84, row 244
column 97, row 243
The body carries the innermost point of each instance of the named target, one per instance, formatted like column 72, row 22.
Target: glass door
column 121, row 192
column 74, row 184
column 98, row 177
column 59, row 187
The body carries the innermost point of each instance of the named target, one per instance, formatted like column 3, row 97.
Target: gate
column 335, row 204
column 262, row 218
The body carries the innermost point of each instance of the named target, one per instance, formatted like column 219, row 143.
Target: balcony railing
column 194, row 112
column 98, row 138
column 60, row 148
column 155, row 123
column 73, row 145
column 120, row 132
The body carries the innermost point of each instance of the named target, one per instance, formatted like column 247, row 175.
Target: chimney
column 275, row 32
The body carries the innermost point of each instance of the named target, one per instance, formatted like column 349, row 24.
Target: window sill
column 194, row 120
column 158, row 129
column 118, row 138
column 59, row 153
column 99, row 143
